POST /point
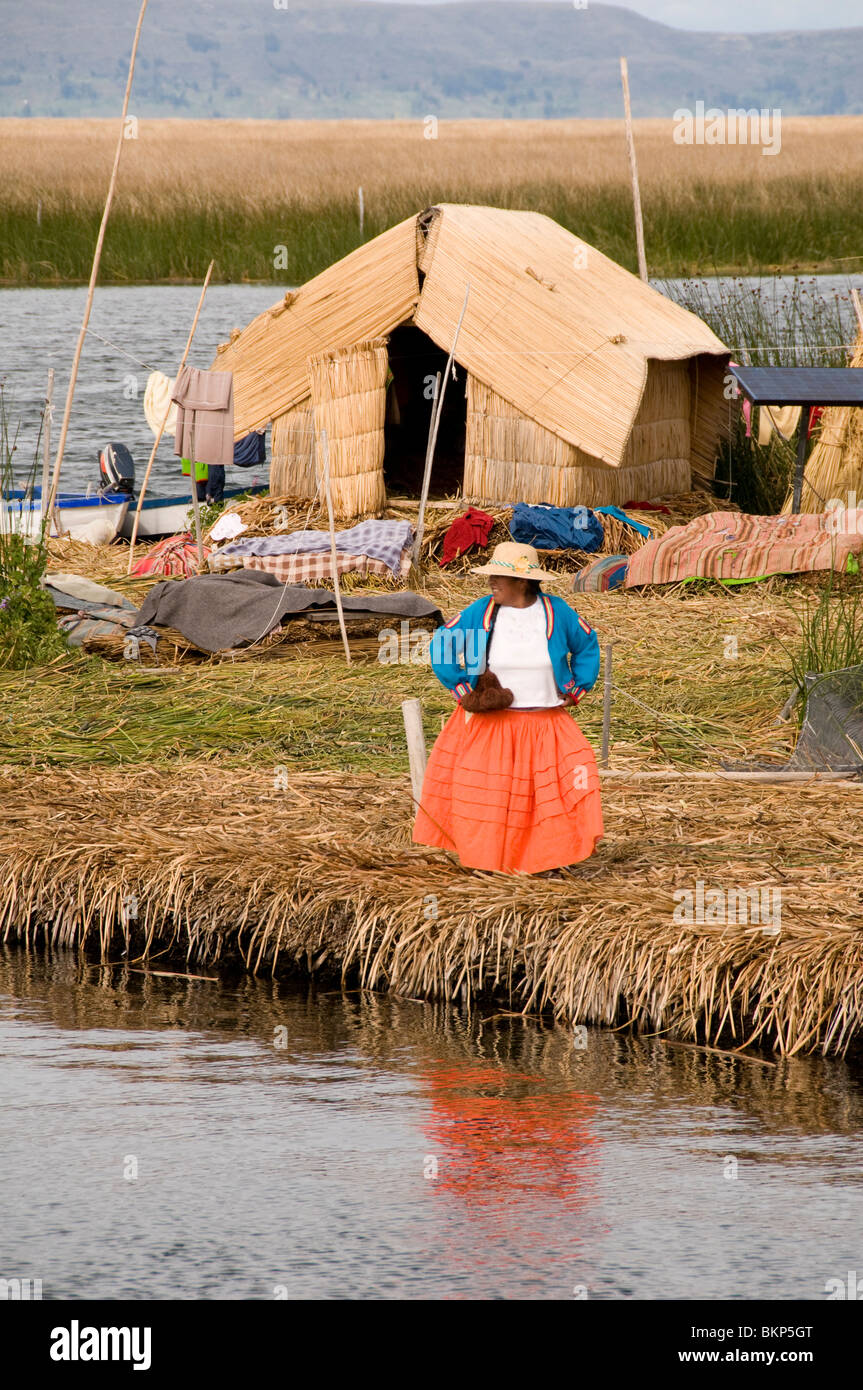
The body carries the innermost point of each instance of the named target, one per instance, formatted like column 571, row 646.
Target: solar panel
column 801, row 385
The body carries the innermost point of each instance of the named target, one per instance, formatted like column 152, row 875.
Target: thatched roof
column 554, row 327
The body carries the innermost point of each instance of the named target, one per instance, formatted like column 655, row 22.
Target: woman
column 511, row 783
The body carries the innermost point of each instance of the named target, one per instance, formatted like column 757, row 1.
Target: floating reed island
column 286, row 870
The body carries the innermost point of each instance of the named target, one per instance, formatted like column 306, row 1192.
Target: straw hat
column 514, row 561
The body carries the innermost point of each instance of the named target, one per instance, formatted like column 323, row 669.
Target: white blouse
column 519, row 657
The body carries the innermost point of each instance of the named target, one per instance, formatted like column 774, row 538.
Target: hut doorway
column 414, row 362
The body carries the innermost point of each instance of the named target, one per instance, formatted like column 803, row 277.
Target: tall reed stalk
column 28, row 622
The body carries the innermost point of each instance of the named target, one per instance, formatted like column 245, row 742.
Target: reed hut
column 574, row 382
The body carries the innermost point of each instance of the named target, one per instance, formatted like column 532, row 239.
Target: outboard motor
column 117, row 469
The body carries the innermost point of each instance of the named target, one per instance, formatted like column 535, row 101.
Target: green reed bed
column 693, row 703
column 696, row 228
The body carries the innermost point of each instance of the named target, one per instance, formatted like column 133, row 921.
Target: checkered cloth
column 309, row 569
column 383, row 541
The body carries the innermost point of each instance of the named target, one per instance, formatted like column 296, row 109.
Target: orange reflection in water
column 495, row 1134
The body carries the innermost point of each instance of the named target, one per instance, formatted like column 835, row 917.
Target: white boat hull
column 21, row 514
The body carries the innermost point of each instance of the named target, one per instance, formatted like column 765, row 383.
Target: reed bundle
column 834, row 471
column 349, row 398
column 323, row 875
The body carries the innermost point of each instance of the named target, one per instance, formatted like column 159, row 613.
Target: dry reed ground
column 323, row 874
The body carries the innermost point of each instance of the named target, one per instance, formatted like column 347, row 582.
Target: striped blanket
column 732, row 545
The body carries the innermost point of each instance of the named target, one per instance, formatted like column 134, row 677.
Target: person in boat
column 512, row 783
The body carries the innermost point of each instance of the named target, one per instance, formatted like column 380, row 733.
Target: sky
column 737, row 16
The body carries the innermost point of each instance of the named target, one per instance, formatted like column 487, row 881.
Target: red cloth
column 814, row 418
column 645, row 507
column 174, row 555
column 474, row 528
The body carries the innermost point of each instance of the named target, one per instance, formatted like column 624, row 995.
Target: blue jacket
column 458, row 648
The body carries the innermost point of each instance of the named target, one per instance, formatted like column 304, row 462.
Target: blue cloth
column 621, row 516
column 380, row 540
column 251, row 449
column 556, row 528
column 458, row 648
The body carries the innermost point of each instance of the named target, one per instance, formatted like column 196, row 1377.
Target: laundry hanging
column 784, row 419
column 205, row 404
column 158, row 394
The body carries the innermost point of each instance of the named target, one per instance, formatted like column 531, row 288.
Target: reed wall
column 292, row 450
column 349, row 400
column 511, row 458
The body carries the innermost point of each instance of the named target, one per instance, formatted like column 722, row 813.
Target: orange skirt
column 512, row 790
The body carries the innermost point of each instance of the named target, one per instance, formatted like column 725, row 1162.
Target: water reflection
column 394, row 1148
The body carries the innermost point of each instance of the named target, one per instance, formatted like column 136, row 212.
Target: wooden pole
column 606, row 705
column 325, row 450
column 413, row 716
column 97, row 256
column 633, row 170
column 436, row 414
column 165, row 417
column 193, row 471
column 46, row 450
column 421, row 515
column 858, row 308
column 780, row 777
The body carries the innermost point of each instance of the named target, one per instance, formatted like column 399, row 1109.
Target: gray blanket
column 220, row 611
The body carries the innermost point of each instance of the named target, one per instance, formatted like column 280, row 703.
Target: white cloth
column 157, row 395
column 227, row 527
column 519, row 657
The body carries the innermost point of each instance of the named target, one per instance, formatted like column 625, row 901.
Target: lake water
column 162, row 1138
column 39, row 329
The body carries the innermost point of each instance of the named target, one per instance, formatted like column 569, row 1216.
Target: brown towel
column 205, row 400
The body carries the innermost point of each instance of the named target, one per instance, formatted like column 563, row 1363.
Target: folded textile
column 608, row 572
column 76, row 586
column 173, row 555
column 157, row 397
column 205, row 403
column 472, row 528
column 733, row 545
column 96, row 621
column 310, row 569
column 220, row 611
column 627, row 520
column 380, row 540
column 556, row 528
column 647, row 507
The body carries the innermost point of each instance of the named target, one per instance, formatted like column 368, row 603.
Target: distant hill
column 327, row 59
